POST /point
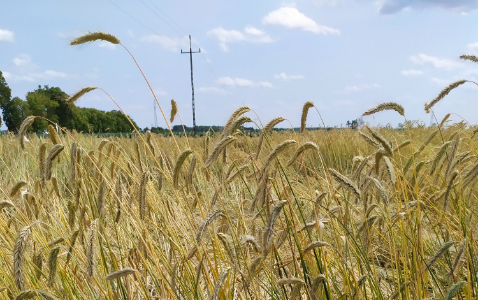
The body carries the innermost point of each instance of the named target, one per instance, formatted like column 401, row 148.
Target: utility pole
column 192, row 83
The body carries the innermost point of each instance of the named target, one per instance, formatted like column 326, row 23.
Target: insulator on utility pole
column 192, row 83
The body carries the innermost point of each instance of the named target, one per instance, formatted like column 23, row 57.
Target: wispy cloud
column 472, row 48
column 439, row 63
column 394, row 6
column 35, row 76
column 241, row 82
column 286, row 77
column 412, row 72
column 168, row 43
column 212, row 90
column 361, row 87
column 291, row 18
column 6, row 36
column 249, row 34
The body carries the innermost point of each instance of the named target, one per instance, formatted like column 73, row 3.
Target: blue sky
column 346, row 56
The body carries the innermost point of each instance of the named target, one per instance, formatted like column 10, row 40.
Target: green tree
column 5, row 93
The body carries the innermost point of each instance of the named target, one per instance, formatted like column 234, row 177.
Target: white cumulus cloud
column 439, row 63
column 6, row 36
column 249, row 34
column 291, row 18
column 241, row 82
column 412, row 72
column 286, row 77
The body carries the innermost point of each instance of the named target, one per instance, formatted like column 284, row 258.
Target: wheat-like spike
column 402, row 144
column 54, row 138
column 369, row 140
column 192, row 166
column 305, row 111
column 239, row 122
column 72, row 244
column 54, row 151
column 385, row 144
column 209, row 219
column 239, row 171
column 218, row 148
column 56, row 241
column 38, row 262
column 220, row 282
column 29, row 294
column 174, row 110
column 19, row 256
column 360, row 167
column 386, row 106
column 120, row 273
column 23, row 129
column 452, row 154
column 265, row 131
column 453, row 290
column 225, row 240
column 54, row 183
column 453, row 175
column 274, row 153
column 142, row 195
column 249, row 239
column 313, row 245
column 383, row 192
column 6, row 203
column 41, row 163
column 301, row 149
column 470, row 175
column 459, row 255
column 17, row 187
column 469, row 57
column 207, row 139
column 90, row 249
column 443, row 93
column 444, row 120
column 439, row 253
column 390, row 169
column 260, row 195
column 345, row 181
column 119, row 196
column 290, row 280
column 317, row 280
column 138, row 156
column 438, row 156
column 428, row 140
column 80, row 93
column 270, row 227
column 52, row 265
column 94, row 36
column 227, row 128
column 177, row 167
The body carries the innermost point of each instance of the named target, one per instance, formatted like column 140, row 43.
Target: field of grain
column 374, row 213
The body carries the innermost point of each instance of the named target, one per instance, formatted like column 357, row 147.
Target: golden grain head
column 95, row 36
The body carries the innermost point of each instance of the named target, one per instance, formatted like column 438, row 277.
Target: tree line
column 50, row 103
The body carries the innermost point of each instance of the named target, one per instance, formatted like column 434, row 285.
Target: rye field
column 367, row 213
column 374, row 213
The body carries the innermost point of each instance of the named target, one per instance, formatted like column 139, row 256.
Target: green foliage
column 49, row 102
